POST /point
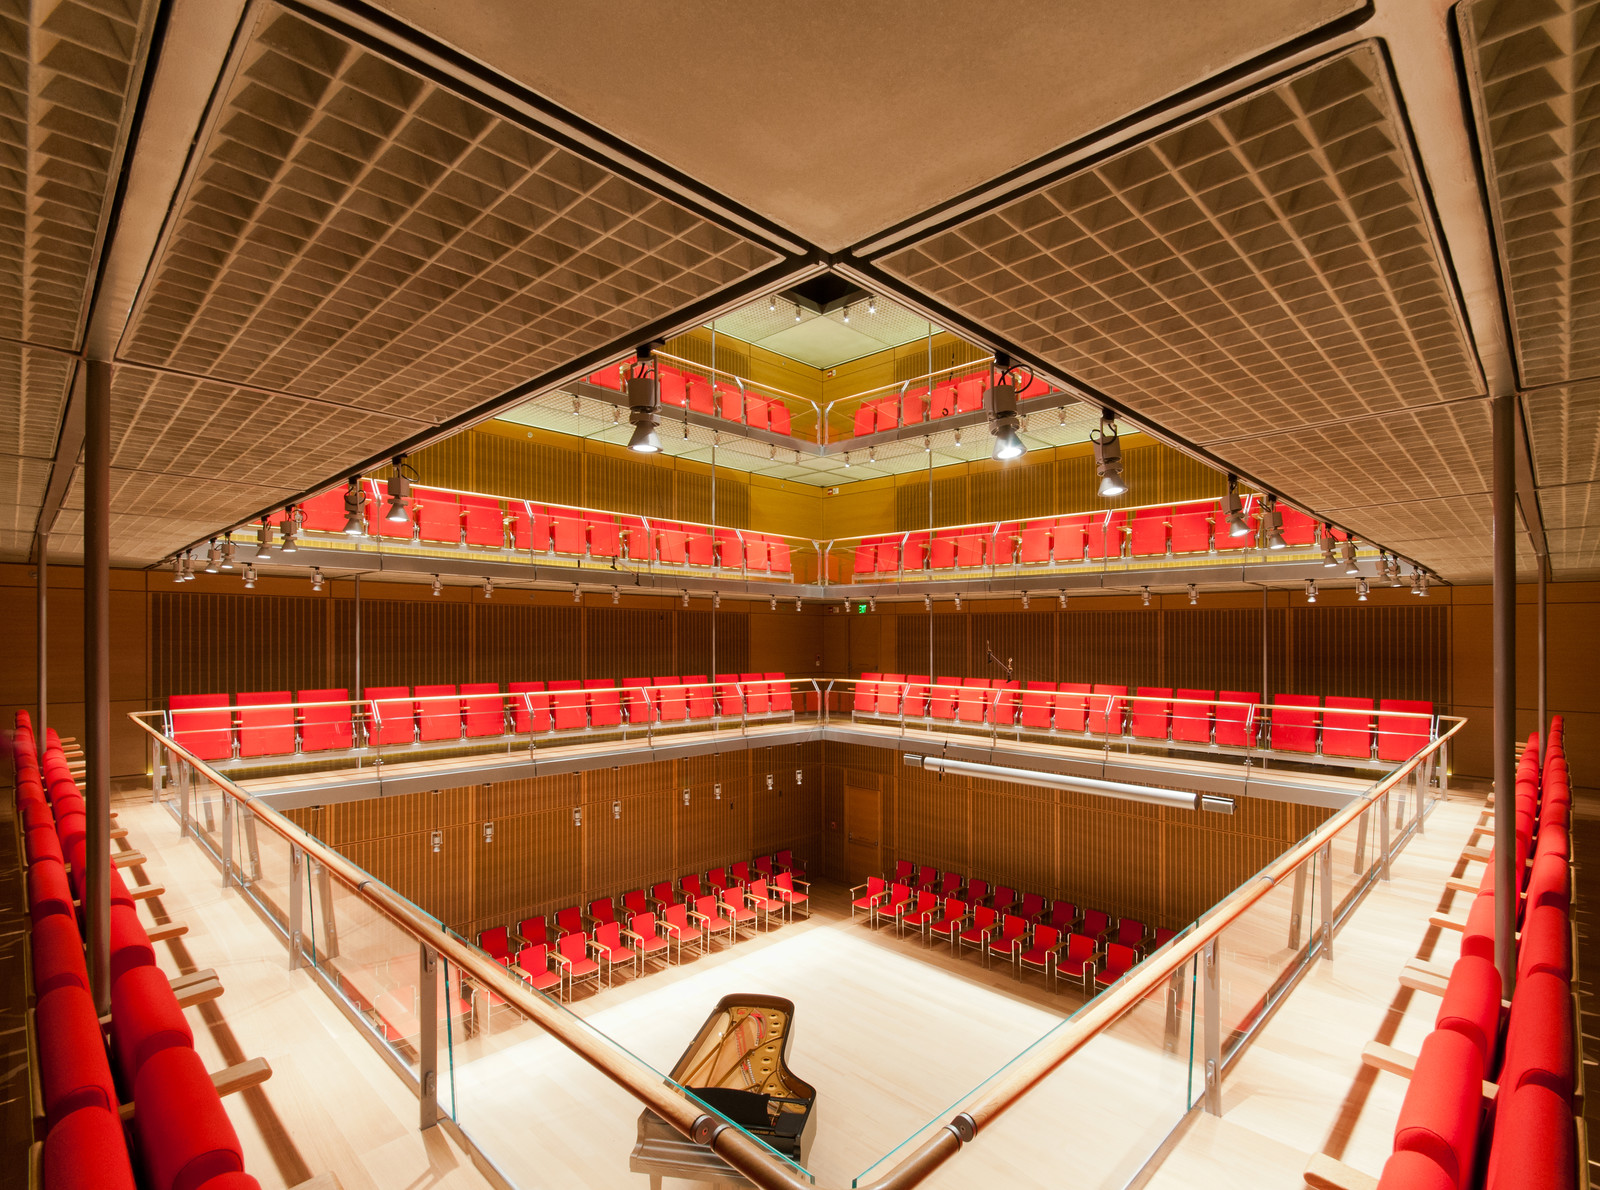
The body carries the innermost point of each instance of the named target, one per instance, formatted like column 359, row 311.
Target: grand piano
column 736, row 1065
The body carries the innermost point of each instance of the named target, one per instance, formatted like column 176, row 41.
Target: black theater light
column 399, row 488
column 644, row 402
column 1001, row 402
column 1108, row 457
column 1233, row 510
column 1274, row 525
column 354, row 526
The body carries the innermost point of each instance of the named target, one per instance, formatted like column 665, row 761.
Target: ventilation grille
column 350, row 226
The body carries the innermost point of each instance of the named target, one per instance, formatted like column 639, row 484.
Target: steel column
column 297, row 859
column 1213, row 1030
column 97, row 677
column 1383, row 837
column 41, row 547
column 1506, row 876
column 1544, row 717
column 1325, row 875
column 1297, row 914
column 428, row 1036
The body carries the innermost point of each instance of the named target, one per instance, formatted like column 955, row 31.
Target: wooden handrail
column 742, row 1152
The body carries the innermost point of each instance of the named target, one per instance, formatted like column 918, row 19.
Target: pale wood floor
column 331, row 1103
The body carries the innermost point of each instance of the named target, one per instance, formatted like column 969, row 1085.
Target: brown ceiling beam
column 69, row 449
column 1528, row 488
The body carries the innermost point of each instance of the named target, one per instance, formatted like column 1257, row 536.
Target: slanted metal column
column 1325, row 876
column 428, row 1036
column 1506, row 876
column 97, row 676
column 297, row 893
column 1382, row 811
column 41, row 548
column 1544, row 657
column 1213, row 1028
column 1297, row 913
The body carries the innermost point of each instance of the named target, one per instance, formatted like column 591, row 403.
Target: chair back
column 764, row 864
column 1080, row 946
column 1004, row 897
column 983, row 917
column 642, row 924
column 1130, row 932
column 954, row 910
column 691, row 887
column 602, row 910
column 1013, row 927
column 533, row 930
column 782, row 880
column 875, row 885
column 495, row 941
column 927, row 875
column 1032, row 904
column 570, row 920
column 903, row 871
column 758, row 889
column 1063, row 913
column 633, row 901
column 718, row 877
column 1119, row 958
column 676, row 915
column 950, row 883
column 662, row 892
column 1046, row 937
column 707, row 907
column 926, row 900
column 573, row 946
column 534, row 959
column 741, row 872
column 1095, row 922
column 977, row 889
column 898, row 894
column 609, row 935
column 731, row 897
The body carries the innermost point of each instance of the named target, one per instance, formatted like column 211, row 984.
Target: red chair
column 495, row 942
column 1534, row 1142
column 532, row 931
column 1037, row 709
column 1096, row 923
column 971, row 701
column 1440, row 1114
column 1072, row 707
column 670, row 383
column 482, row 710
column 1063, row 916
column 1237, row 726
column 1191, row 527
column 698, row 547
column 1070, row 540
column 1130, row 933
column 698, row 698
column 783, row 888
column 572, row 955
column 605, row 703
column 185, row 1136
column 1191, row 715
column 692, row 889
column 735, row 909
column 569, row 532
column 1031, row 908
column 1107, row 705
column 729, row 696
column 876, row 889
column 1078, row 960
column 530, row 526
column 661, row 895
column 717, row 878
column 914, row 703
column 923, row 911
column 569, row 921
column 485, row 522
column 73, row 1071
column 391, row 716
column 1003, row 710
column 672, row 702
column 785, row 860
column 890, row 691
column 1400, row 733
column 439, row 712
column 203, row 724
column 757, row 898
column 639, row 701
column 709, row 914
column 969, row 392
column 972, row 549
column 1011, row 939
column 1119, row 961
column 950, row 923
column 675, row 922
column 739, row 873
column 602, row 911
column 1041, row 956
column 757, row 694
column 1345, row 733
column 266, row 724
column 977, row 890
column 927, row 876
column 982, row 928
column 1152, row 713
column 647, row 939
column 1539, row 1038
column 1294, row 722
column 1103, row 534
column 1150, row 532
column 86, row 1150
column 942, row 400
column 1471, row 1005
column 896, row 904
column 533, row 965
column 530, row 707
column 1034, row 542
column 438, row 515
column 607, row 943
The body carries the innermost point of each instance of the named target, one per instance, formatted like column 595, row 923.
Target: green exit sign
column 862, row 608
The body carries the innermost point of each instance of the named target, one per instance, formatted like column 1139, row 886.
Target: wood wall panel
column 518, row 642
column 1011, row 833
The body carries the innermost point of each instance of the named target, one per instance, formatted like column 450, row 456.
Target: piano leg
column 655, row 1181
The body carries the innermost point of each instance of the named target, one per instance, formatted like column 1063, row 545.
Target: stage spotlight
column 177, row 568
column 616, row 596
column 1311, row 590
column 1108, row 458
column 872, row 305
column 1024, row 601
column 316, row 578
column 488, row 588
column 291, row 530
column 958, row 601
column 1233, row 510
column 264, row 540
column 249, row 576
column 644, row 401
column 438, row 586
column 1328, row 558
column 577, row 593
column 1274, row 520
column 1194, row 595
column 684, row 599
column 353, row 525
column 1144, row 596
column 1062, row 599
column 213, row 557
column 399, row 492
column 228, row 550
column 1361, row 590
column 1350, row 566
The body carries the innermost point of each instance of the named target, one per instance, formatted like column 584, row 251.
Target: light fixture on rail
column 1062, row 600
column 1361, row 590
column 616, row 596
column 291, row 530
column 399, row 488
column 1311, row 590
column 577, row 593
column 1108, row 457
column 438, row 586
column 927, row 603
column 847, row 460
column 772, row 304
column 213, row 557
column 644, row 401
column 1350, row 566
column 1274, row 525
column 488, row 588
column 958, row 601
column 716, row 600
column 353, row 524
column 1024, row 601
column 188, row 566
column 1424, row 591
column 872, row 603
column 797, row 604
column 797, row 312
column 1233, row 510
column 872, row 453
column 773, row 604
column 684, row 599
column 1001, row 402
column 229, row 551
column 249, row 576
column 872, row 305
column 847, row 314
column 1328, row 558
column 1144, row 596
column 264, row 540
column 177, row 568
column 316, row 578
column 1194, row 595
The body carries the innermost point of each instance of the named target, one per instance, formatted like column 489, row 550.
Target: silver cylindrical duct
column 1177, row 798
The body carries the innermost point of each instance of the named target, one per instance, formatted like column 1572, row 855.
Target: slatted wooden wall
column 1398, row 651
column 633, row 829
column 1160, row 865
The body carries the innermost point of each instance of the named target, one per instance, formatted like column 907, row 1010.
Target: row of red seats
column 725, row 398
column 1027, row 929
column 1083, row 537
column 1529, row 1051
column 919, row 403
column 639, row 926
column 183, row 1139
column 436, row 515
column 215, row 727
column 1343, row 727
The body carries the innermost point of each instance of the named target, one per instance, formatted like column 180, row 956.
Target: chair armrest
column 561, row 958
column 698, row 916
column 857, row 889
column 631, row 934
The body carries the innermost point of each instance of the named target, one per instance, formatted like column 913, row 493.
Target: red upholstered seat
column 1550, row 883
column 1294, row 722
column 1471, row 1005
column 698, row 698
column 530, row 526
column 1237, row 726
column 145, row 1019
column 1078, row 958
column 42, row 843
column 572, row 953
column 1191, row 715
column 1345, row 732
column 1106, row 707
column 675, row 923
column 231, row 1181
column 1546, row 943
column 1400, row 733
column 1539, row 1036
column 647, row 939
column 605, row 535
column 203, row 723
column 1011, row 939
column 605, row 703
column 439, row 712
column 972, row 700
column 1120, row 959
column 482, row 709
column 49, row 893
column 1103, row 533
column 672, row 704
column 1478, row 938
column 485, row 521
column 530, row 707
column 783, row 887
column 1191, row 527
column 1534, row 1143
column 57, row 950
column 1150, row 531
column 496, row 942
column 984, row 923
column 1440, row 1114
column 876, row 887
column 323, row 728
column 1413, row 1171
column 391, row 715
column 1152, row 713
column 86, row 1150
column 757, row 696
column 438, row 515
column 607, row 943
column 130, row 946
column 73, row 1071
column 266, row 724
column 569, row 706
column 569, row 531
column 184, row 1133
